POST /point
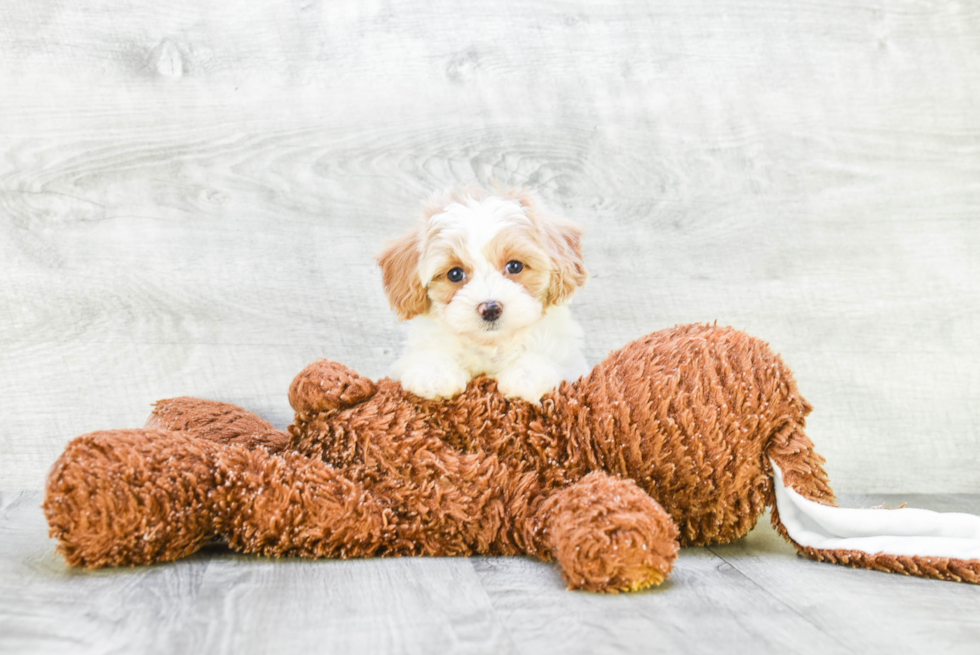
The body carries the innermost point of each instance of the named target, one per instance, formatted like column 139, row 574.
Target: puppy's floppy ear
column 399, row 264
column 563, row 241
column 569, row 272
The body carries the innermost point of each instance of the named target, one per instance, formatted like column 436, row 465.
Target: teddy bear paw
column 325, row 385
column 607, row 534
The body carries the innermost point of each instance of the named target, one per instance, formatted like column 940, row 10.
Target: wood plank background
column 191, row 195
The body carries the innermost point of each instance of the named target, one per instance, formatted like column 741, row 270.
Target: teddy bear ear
column 325, row 385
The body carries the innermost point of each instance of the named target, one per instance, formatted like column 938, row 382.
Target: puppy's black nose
column 490, row 310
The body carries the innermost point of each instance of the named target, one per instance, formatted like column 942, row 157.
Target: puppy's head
column 485, row 265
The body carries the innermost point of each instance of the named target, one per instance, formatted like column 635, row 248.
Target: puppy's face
column 485, row 266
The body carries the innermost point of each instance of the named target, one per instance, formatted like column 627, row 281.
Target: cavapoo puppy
column 484, row 280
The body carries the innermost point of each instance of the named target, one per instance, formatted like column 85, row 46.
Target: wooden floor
column 754, row 596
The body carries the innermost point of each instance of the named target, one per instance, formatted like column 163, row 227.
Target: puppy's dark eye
column 456, row 274
column 514, row 267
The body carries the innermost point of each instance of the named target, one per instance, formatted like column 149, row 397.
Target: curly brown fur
column 939, row 568
column 129, row 497
column 667, row 442
column 214, row 421
column 687, row 413
column 608, row 535
column 124, row 497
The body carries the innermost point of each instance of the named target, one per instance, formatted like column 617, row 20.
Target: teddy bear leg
column 609, row 535
column 135, row 497
column 216, row 421
column 128, row 497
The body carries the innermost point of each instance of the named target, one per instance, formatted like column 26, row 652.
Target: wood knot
column 166, row 59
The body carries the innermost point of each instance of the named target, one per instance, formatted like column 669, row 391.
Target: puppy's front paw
column 434, row 379
column 528, row 382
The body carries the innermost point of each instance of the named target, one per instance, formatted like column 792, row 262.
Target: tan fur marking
column 517, row 244
column 441, row 289
column 399, row 263
column 562, row 239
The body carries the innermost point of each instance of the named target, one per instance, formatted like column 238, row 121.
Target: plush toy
column 680, row 438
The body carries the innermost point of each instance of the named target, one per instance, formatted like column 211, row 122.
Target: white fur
column 439, row 362
column 529, row 350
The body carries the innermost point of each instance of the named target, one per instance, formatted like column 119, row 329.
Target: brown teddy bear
column 680, row 438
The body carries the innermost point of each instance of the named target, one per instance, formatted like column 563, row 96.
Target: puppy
column 484, row 280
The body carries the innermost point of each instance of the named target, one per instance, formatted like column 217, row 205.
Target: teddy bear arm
column 607, row 534
column 325, row 385
column 442, row 504
column 291, row 505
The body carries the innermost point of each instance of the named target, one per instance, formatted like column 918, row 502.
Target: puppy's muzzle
column 490, row 310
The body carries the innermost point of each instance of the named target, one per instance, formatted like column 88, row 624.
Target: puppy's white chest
column 489, row 360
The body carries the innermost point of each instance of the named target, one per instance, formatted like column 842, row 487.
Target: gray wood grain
column 366, row 606
column 47, row 608
column 894, row 613
column 190, row 199
column 706, row 606
column 225, row 603
column 755, row 596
